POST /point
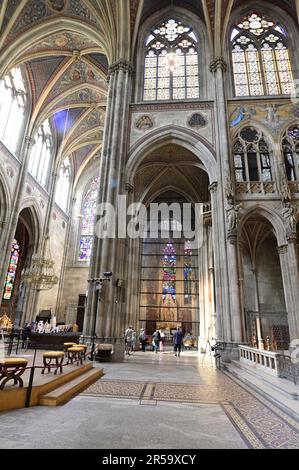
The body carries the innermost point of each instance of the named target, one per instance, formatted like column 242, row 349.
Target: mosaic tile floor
column 259, row 422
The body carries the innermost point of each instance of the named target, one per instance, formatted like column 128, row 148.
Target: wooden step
column 62, row 394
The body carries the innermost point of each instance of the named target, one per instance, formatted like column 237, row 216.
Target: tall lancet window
column 63, row 185
column 169, row 262
column 252, row 156
column 42, row 154
column 13, row 103
column 260, row 57
column 171, row 63
column 12, row 271
column 88, row 221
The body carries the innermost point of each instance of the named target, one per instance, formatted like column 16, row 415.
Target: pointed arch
column 173, row 135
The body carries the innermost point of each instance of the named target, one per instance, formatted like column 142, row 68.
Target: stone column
column 290, row 278
column 223, row 319
column 228, row 282
column 110, row 254
column 15, row 212
column 236, row 317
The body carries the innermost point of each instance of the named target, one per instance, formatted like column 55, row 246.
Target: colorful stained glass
column 169, row 261
column 88, row 221
column 12, row 271
column 188, row 272
column 159, row 82
column 260, row 56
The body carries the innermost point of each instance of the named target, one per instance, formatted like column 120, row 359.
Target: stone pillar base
column 228, row 351
column 118, row 348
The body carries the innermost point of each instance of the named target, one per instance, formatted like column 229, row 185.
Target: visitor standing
column 156, row 340
column 162, row 335
column 177, row 341
column 143, row 339
column 128, row 339
column 134, row 341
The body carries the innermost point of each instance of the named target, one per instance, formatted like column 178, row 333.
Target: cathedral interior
column 111, row 106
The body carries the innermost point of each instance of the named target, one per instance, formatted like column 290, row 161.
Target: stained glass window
column 290, row 148
column 161, row 82
column 88, row 221
column 63, row 184
column 260, row 56
column 188, row 273
column 12, row 270
column 41, row 154
column 13, row 103
column 251, row 156
column 169, row 261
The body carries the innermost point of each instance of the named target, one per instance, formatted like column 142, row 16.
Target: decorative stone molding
column 121, row 64
column 144, row 122
column 197, row 121
column 57, row 5
column 29, row 141
column 129, row 187
column 213, row 187
column 217, row 63
column 76, row 56
column 282, row 250
column 232, row 237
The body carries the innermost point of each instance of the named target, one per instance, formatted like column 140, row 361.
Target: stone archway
column 15, row 295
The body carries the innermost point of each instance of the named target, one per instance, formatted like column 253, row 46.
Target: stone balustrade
column 267, row 361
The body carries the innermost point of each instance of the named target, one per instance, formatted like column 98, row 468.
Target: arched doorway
column 14, row 292
column 173, row 275
column 266, row 318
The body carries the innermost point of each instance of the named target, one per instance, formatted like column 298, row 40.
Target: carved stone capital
column 232, row 237
column 121, row 64
column 29, row 141
column 217, row 63
column 282, row 250
column 213, row 187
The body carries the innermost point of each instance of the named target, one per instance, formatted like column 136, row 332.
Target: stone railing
column 267, row 361
column 255, row 187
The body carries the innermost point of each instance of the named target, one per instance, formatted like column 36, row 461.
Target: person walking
column 177, row 341
column 156, row 340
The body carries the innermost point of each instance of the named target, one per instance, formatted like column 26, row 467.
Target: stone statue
column 232, row 214
column 40, row 327
column 229, row 188
column 285, row 192
column 289, row 215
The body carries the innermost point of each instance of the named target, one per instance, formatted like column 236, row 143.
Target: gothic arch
column 5, row 201
column 34, row 214
column 271, row 216
column 173, row 135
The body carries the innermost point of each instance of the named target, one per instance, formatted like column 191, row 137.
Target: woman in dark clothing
column 156, row 340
